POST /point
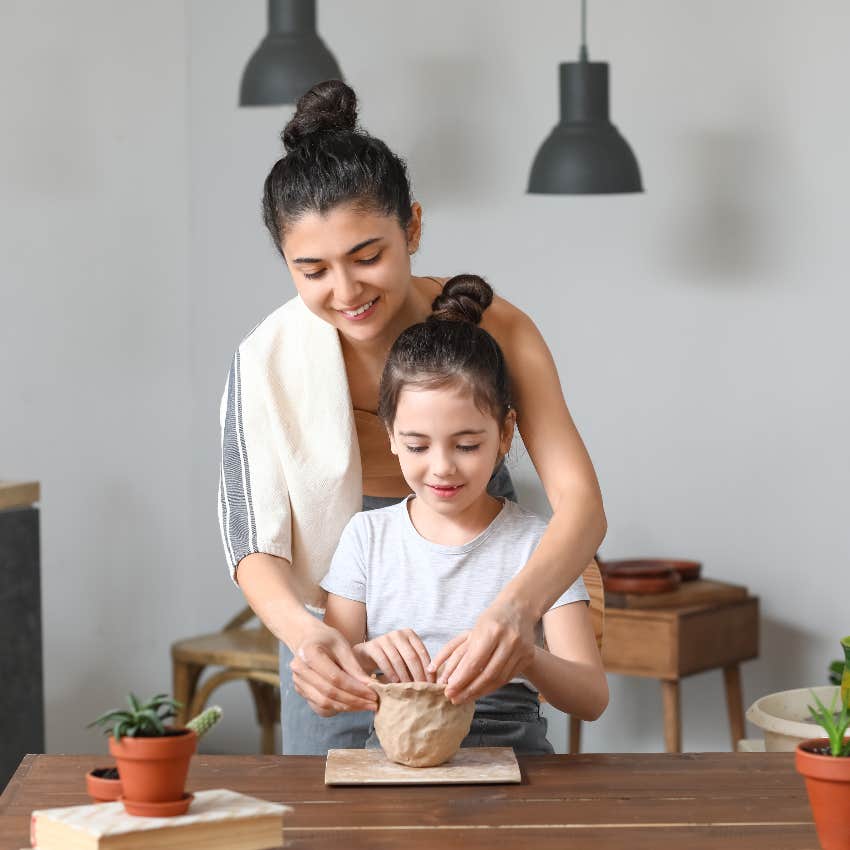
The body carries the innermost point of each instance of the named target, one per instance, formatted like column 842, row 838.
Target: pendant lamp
column 584, row 154
column 290, row 59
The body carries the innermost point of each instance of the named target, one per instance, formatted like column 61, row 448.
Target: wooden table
column 680, row 640
column 641, row 802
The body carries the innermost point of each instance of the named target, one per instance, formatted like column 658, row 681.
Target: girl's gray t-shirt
column 438, row 591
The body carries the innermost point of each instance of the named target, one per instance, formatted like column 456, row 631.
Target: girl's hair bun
column 464, row 298
column 328, row 107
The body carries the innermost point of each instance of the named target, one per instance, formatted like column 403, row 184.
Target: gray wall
column 697, row 328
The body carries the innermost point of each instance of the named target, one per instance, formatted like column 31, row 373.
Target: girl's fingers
column 408, row 652
column 398, row 663
column 422, row 653
column 380, row 658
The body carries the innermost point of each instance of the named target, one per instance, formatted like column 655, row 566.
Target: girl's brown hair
column 449, row 348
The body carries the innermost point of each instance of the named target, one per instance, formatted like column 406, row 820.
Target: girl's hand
column 400, row 655
column 499, row 647
column 326, row 673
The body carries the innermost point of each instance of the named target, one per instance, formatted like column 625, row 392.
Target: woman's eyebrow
column 348, row 253
column 465, row 433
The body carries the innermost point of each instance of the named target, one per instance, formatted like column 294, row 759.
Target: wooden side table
column 670, row 643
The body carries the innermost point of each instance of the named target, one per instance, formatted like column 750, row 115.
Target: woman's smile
column 357, row 314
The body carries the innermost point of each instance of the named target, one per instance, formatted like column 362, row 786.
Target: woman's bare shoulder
column 507, row 323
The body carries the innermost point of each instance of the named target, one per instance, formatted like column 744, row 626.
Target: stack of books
column 216, row 820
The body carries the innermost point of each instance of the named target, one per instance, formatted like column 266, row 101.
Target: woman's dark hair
column 449, row 348
column 330, row 161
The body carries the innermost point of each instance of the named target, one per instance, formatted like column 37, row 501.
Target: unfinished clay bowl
column 417, row 725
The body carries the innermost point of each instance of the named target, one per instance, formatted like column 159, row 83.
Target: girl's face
column 447, row 447
column 352, row 267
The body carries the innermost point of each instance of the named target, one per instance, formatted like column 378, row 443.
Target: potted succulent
column 153, row 758
column 825, row 765
column 104, row 783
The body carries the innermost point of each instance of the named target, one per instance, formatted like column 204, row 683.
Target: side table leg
column 734, row 703
column 575, row 735
column 672, row 715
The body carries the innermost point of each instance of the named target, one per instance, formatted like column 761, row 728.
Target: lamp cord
column 582, row 54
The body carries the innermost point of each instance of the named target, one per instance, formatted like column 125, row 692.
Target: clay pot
column 828, row 785
column 153, row 771
column 103, row 789
column 417, row 725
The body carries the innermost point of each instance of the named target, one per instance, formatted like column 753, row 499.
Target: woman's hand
column 325, row 671
column 478, row 662
column 400, row 655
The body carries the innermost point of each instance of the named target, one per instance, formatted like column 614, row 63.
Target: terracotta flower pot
column 153, row 770
column 102, row 789
column 828, row 785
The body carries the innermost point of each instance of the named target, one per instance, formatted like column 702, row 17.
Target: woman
column 303, row 449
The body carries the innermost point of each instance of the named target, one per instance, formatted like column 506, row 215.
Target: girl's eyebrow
column 348, row 253
column 465, row 433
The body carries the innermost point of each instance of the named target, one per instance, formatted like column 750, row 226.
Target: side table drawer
column 671, row 643
column 718, row 637
column 640, row 643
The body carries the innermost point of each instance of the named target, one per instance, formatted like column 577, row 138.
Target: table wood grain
column 637, row 801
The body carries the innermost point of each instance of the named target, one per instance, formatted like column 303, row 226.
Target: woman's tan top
column 381, row 469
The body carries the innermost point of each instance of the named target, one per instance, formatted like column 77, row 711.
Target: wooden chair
column 593, row 584
column 250, row 654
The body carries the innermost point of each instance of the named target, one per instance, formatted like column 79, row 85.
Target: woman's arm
column 502, row 641
column 570, row 673
column 325, row 671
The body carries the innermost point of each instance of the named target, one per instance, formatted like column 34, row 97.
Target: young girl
column 410, row 580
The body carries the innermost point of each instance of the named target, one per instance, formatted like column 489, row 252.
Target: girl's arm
column 570, row 673
column 502, row 641
column 400, row 655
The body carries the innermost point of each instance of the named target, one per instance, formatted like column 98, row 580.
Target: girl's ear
column 508, row 427
column 393, row 447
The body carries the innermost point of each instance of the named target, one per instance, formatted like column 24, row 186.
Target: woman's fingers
column 451, row 664
column 325, row 699
column 492, row 645
column 497, row 672
column 330, row 678
column 448, row 650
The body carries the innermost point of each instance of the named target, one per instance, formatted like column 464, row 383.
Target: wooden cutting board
column 699, row 592
column 471, row 765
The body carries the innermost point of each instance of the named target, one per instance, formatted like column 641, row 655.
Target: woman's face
column 352, row 267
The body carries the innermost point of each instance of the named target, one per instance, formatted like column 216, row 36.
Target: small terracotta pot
column 153, row 770
column 100, row 789
column 828, row 785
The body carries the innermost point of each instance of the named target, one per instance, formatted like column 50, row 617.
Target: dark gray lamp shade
column 290, row 59
column 584, row 154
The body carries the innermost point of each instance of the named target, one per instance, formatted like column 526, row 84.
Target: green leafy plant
column 836, row 670
column 834, row 726
column 143, row 720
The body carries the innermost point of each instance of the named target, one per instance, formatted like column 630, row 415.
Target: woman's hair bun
column 328, row 107
column 464, row 298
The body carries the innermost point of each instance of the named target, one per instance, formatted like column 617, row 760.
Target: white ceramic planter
column 782, row 716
